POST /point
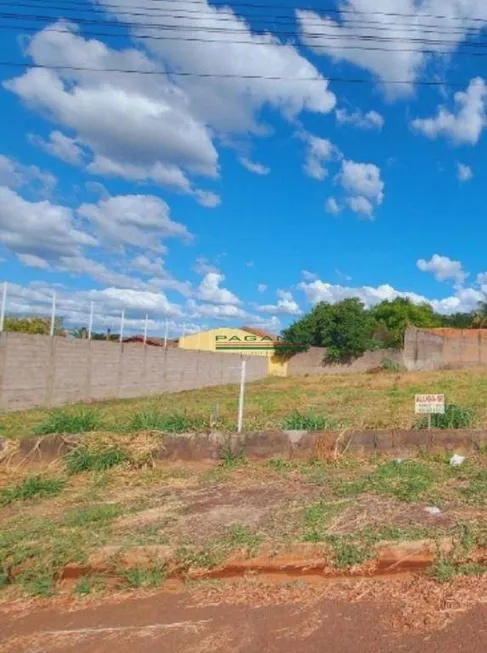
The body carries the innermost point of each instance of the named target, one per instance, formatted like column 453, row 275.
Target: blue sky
column 209, row 201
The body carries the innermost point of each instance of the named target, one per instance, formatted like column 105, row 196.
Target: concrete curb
column 289, row 445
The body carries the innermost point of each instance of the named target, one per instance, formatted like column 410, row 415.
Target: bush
column 391, row 366
column 455, row 417
column 30, row 487
column 72, row 421
column 84, row 459
column 297, row 421
column 152, row 420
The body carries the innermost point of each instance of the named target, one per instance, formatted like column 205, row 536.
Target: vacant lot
column 358, row 401
column 99, row 510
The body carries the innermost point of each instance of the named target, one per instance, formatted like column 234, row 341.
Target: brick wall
column 42, row 371
column 432, row 349
column 311, row 362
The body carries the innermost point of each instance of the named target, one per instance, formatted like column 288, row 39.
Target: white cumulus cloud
column 464, row 172
column 443, row 268
column 463, row 124
column 210, row 290
column 286, row 305
column 370, row 120
column 136, row 220
column 254, row 166
column 60, row 146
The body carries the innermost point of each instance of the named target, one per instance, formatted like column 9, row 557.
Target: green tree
column 480, row 319
column 80, row 332
column 393, row 317
column 347, row 330
column 308, row 329
column 458, row 320
column 34, row 324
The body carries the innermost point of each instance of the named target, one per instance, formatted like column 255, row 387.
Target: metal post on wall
column 53, row 313
column 145, row 328
column 122, row 321
column 241, row 396
column 4, row 304
column 90, row 323
column 166, row 328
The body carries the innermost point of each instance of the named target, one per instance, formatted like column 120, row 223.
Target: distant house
column 153, row 342
column 248, row 341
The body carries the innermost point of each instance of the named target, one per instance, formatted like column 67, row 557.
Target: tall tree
column 34, row 324
column 393, row 317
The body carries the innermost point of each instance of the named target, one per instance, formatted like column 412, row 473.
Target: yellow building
column 245, row 340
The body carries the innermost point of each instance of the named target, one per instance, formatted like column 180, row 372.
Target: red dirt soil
column 175, row 623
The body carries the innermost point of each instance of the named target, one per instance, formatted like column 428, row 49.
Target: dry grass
column 358, row 401
column 203, row 512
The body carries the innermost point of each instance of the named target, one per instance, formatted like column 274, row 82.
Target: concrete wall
column 38, row 370
column 311, row 362
column 433, row 349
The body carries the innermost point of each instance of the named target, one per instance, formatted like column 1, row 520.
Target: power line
column 220, row 30
column 196, row 39
column 315, row 8
column 183, row 73
column 288, row 20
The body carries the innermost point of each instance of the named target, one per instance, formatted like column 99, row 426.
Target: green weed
column 151, row 420
column 296, row 421
column 148, row 577
column 455, row 417
column 32, row 487
column 229, row 458
column 280, row 465
column 349, row 554
column 406, row 481
column 100, row 515
column 38, row 582
column 241, row 536
column 70, row 421
column 391, row 366
column 443, row 570
column 83, row 459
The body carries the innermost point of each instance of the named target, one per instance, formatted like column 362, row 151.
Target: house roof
column 259, row 332
column 154, row 342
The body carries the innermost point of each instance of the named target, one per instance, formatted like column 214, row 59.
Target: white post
column 4, row 303
column 145, row 328
column 90, row 323
column 122, row 320
column 241, row 396
column 53, row 313
column 166, row 328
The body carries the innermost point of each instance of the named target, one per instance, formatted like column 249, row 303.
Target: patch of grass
column 347, row 553
column 79, row 420
column 84, row 459
column 99, row 515
column 317, row 518
column 389, row 365
column 207, row 557
column 229, row 458
column 455, row 417
column 406, row 481
column 297, row 421
column 241, row 536
column 147, row 577
column 443, row 570
column 477, row 489
column 30, row 488
column 152, row 420
column 280, row 465
column 38, row 582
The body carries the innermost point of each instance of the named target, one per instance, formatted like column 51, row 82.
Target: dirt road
column 177, row 624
